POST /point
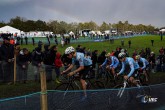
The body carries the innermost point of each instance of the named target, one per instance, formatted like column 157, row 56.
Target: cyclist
column 111, row 63
column 145, row 65
column 85, row 65
column 132, row 64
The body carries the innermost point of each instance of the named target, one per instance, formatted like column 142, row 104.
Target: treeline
column 63, row 27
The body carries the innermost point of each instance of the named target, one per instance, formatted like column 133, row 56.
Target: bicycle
column 107, row 77
column 68, row 90
column 142, row 88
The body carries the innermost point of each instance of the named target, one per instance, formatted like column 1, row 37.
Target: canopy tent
column 162, row 30
column 92, row 32
column 9, row 29
column 71, row 33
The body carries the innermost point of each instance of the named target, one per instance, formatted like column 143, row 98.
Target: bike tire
column 146, row 90
column 97, row 85
column 102, row 76
column 64, row 98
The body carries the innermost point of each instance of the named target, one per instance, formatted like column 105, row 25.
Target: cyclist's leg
column 83, row 74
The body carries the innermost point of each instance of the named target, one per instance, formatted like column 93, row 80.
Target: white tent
column 71, row 33
column 162, row 30
column 9, row 29
column 92, row 32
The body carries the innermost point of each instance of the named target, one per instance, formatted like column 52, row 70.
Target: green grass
column 138, row 43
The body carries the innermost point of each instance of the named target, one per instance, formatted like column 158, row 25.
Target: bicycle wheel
column 103, row 77
column 142, row 78
column 64, row 97
column 97, row 85
column 146, row 90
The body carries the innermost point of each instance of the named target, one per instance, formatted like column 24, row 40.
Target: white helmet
column 69, row 50
column 121, row 55
column 122, row 50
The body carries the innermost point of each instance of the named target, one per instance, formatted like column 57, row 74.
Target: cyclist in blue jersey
column 145, row 65
column 132, row 64
column 84, row 66
column 111, row 63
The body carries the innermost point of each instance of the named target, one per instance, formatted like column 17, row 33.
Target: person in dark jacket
column 37, row 62
column 1, row 72
column 7, row 57
column 151, row 60
column 94, row 61
column 23, row 60
column 48, row 62
column 101, row 59
column 26, row 40
column 33, row 41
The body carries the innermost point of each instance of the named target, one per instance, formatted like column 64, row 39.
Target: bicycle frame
column 121, row 91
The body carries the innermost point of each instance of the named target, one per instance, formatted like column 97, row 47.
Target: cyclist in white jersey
column 84, row 66
column 133, row 66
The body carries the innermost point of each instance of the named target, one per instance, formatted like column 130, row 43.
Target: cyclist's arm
column 132, row 69
column 69, row 68
column 105, row 62
column 144, row 65
column 122, row 69
column 78, row 69
column 112, row 62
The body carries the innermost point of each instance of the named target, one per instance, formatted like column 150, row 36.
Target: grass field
column 140, row 42
column 137, row 43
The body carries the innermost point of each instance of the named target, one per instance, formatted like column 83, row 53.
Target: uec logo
column 148, row 99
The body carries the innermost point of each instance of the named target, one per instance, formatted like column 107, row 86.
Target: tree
column 104, row 27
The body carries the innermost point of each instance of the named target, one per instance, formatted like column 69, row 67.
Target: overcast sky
column 111, row 11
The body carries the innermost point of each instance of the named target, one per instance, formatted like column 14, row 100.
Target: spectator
column 122, row 42
column 7, row 58
column 48, row 39
column 1, row 72
column 94, row 61
column 33, row 41
column 152, row 42
column 24, row 59
column 58, row 64
column 129, row 43
column 48, row 62
column 78, row 48
column 21, row 40
column 26, row 40
column 152, row 61
column 62, row 41
column 37, row 61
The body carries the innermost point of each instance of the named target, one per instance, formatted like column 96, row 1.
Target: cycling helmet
column 69, row 50
column 152, row 52
column 121, row 55
column 108, row 54
column 137, row 57
column 122, row 50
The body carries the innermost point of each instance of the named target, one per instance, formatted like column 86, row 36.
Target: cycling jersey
column 114, row 62
column 133, row 65
column 144, row 61
column 81, row 59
